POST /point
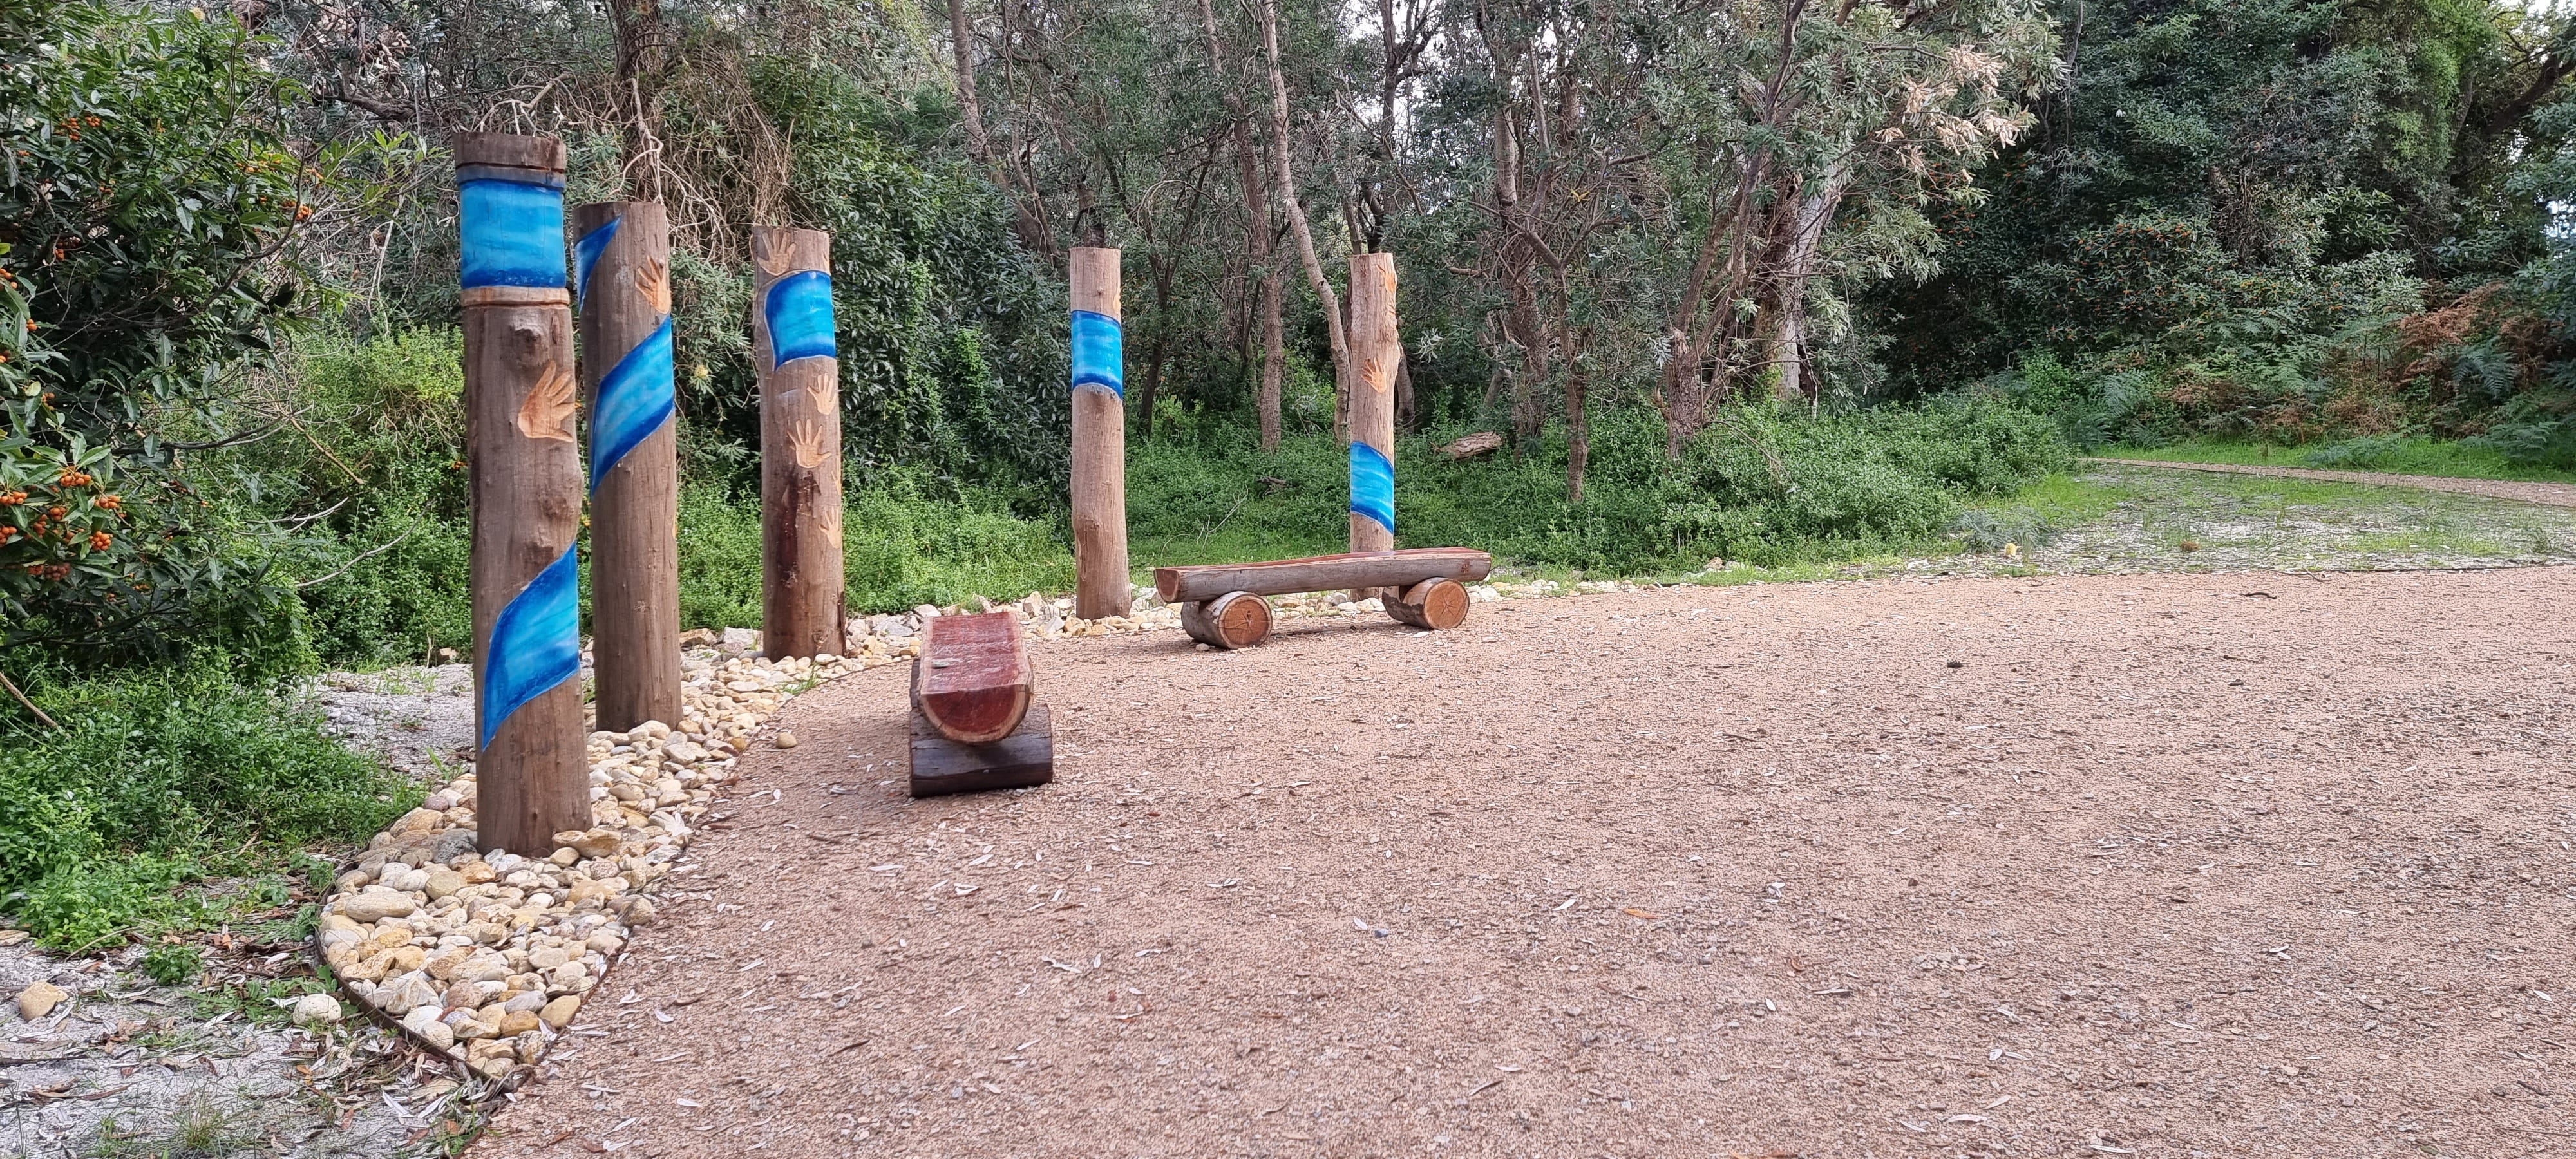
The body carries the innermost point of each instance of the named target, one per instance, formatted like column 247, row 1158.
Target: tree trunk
column 1281, row 157
column 1807, row 237
column 1578, row 433
column 1256, row 212
column 637, row 25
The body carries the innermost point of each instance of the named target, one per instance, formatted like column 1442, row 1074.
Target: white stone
column 317, row 1010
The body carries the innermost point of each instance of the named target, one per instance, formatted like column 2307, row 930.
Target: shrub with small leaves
column 173, row 963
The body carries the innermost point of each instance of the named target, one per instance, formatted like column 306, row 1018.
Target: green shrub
column 173, row 965
column 2363, row 453
column 160, row 779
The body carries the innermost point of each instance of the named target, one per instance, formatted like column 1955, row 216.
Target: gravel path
column 2175, row 865
column 2551, row 494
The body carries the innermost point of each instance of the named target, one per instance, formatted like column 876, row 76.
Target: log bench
column 1226, row 605
column 974, row 723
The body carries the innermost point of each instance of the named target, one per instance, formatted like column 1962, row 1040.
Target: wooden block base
column 1232, row 620
column 1024, row 758
column 1432, row 605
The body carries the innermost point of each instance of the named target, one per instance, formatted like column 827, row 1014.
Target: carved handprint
column 830, row 526
column 652, row 278
column 1373, row 372
column 805, row 442
column 547, row 411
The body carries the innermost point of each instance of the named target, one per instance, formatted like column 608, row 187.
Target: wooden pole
column 532, row 777
column 1099, row 439
column 622, row 276
column 1375, row 353
column 800, row 441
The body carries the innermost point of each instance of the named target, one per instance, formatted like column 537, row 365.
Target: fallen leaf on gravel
column 1634, row 912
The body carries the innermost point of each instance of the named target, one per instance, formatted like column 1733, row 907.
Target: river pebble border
column 486, row 958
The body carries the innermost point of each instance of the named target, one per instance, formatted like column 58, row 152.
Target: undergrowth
column 159, row 780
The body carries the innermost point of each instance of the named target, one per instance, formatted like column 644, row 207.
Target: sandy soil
column 2552, row 494
column 2168, row 866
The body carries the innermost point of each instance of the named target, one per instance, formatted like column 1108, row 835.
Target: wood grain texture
column 526, row 491
column 800, row 466
column 1376, row 352
column 545, row 154
column 1230, row 621
column 1024, row 758
column 1099, row 483
column 973, row 680
column 1432, row 605
column 635, row 511
column 1322, row 573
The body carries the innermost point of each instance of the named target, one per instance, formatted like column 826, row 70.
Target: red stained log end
column 972, row 681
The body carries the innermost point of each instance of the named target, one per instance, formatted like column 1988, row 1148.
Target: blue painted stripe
column 799, row 311
column 1373, row 485
column 510, row 233
column 635, row 398
column 1099, row 352
column 536, row 643
column 585, row 256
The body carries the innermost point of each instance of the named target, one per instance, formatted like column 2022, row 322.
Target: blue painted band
column 1373, row 485
column 510, row 233
column 535, row 645
column 799, row 311
column 635, row 398
column 1099, row 352
column 585, row 256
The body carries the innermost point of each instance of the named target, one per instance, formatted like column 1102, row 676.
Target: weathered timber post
column 1099, row 439
column 800, row 441
column 622, row 278
column 1376, row 351
column 532, row 777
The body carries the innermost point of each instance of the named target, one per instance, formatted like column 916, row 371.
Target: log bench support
column 974, row 723
column 1223, row 606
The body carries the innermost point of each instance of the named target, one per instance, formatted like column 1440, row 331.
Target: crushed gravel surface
column 2226, row 864
column 2551, row 494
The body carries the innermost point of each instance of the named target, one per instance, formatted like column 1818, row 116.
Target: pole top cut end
column 510, row 150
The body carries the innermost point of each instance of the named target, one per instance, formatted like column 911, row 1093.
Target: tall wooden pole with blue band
column 1100, row 586
column 794, row 349
column 531, row 771
column 1376, row 351
column 622, row 284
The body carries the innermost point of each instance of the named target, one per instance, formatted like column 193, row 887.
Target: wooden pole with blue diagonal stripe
column 531, row 770
column 1100, row 581
column 622, row 284
column 797, row 354
column 1376, row 352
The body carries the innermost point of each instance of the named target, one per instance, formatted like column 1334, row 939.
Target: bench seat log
column 1371, row 569
column 1023, row 759
column 972, row 681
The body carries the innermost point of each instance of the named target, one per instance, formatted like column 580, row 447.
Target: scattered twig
column 355, row 560
column 12, row 686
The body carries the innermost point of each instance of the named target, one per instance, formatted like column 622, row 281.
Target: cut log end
column 1433, row 605
column 1023, row 759
column 972, row 681
column 1233, row 620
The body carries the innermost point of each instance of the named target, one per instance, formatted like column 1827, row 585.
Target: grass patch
column 2396, row 455
column 158, row 781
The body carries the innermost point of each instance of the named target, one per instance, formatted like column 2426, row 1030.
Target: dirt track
column 2550, row 494
column 2231, row 864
